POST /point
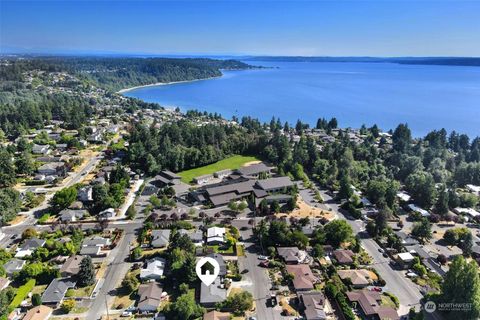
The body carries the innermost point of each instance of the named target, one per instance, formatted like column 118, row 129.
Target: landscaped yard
column 233, row 162
column 80, row 292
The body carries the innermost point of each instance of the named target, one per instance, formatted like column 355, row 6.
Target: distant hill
column 451, row 61
column 115, row 73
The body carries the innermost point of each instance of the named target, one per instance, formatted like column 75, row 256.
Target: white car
column 262, row 258
column 127, row 313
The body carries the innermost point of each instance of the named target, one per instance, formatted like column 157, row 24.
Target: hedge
column 22, row 293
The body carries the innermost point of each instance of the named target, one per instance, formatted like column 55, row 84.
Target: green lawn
column 22, row 293
column 233, row 162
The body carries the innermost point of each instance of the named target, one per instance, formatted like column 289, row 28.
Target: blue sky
column 331, row 28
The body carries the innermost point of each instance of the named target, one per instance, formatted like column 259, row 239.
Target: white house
column 423, row 212
column 154, row 269
column 216, row 235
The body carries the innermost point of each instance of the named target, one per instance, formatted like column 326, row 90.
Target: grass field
column 233, row 162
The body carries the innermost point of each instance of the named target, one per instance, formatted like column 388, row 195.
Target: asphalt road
column 407, row 292
column 114, row 274
column 258, row 277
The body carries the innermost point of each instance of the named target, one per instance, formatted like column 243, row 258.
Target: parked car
column 126, row 313
column 381, row 250
column 262, row 257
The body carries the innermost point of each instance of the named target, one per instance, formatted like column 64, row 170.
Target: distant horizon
column 376, row 28
column 200, row 55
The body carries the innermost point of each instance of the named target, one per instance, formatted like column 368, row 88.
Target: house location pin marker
column 207, row 270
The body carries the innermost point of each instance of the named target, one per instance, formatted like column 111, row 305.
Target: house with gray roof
column 28, row 247
column 212, row 294
column 13, row 265
column 150, row 296
column 196, row 236
column 160, row 238
column 71, row 266
column 56, row 290
column 53, row 169
column 69, row 215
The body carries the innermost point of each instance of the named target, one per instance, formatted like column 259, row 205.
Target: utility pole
column 106, row 306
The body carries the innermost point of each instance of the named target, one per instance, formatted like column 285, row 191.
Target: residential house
column 53, row 169
column 38, row 313
column 150, row 297
column 303, row 278
column 107, row 213
column 217, row 315
column 93, row 246
column 154, row 269
column 221, row 263
column 473, row 189
column 40, row 149
column 13, row 265
column 422, row 212
column 216, row 235
column 85, row 194
column 28, row 247
column 69, row 215
column 4, row 282
column 405, row 259
column 56, row 290
column 71, row 267
column 160, row 238
column 343, row 256
column 313, row 304
column 359, row 278
column 212, row 294
column 291, row 255
column 369, row 303
column 195, row 236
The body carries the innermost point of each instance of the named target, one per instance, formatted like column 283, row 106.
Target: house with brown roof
column 217, row 315
column 291, row 255
column 313, row 304
column 343, row 256
column 150, row 296
column 369, row 303
column 71, row 266
column 38, row 313
column 360, row 278
column 303, row 278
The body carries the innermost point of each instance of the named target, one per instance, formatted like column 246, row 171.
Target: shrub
column 67, row 305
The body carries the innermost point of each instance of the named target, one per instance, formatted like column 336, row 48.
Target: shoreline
column 165, row 84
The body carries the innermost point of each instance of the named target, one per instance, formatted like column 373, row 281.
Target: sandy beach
column 163, row 84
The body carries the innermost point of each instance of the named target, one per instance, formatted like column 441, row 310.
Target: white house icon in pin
column 207, row 270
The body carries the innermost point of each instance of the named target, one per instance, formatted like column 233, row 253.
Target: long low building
column 242, row 187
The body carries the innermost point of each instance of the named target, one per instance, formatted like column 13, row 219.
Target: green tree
column 239, row 303
column 441, row 207
column 185, row 308
column 86, row 274
column 337, row 232
column 64, row 198
column 7, row 170
column 24, row 164
column 462, row 285
column 422, row 230
column 36, row 299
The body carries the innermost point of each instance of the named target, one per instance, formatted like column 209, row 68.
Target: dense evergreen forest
column 25, row 105
column 119, row 73
column 430, row 168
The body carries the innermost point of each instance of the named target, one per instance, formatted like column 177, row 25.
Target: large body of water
column 424, row 96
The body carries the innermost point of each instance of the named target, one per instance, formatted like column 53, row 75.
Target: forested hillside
column 119, row 73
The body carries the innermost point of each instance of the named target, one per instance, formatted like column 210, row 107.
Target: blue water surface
column 424, row 96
